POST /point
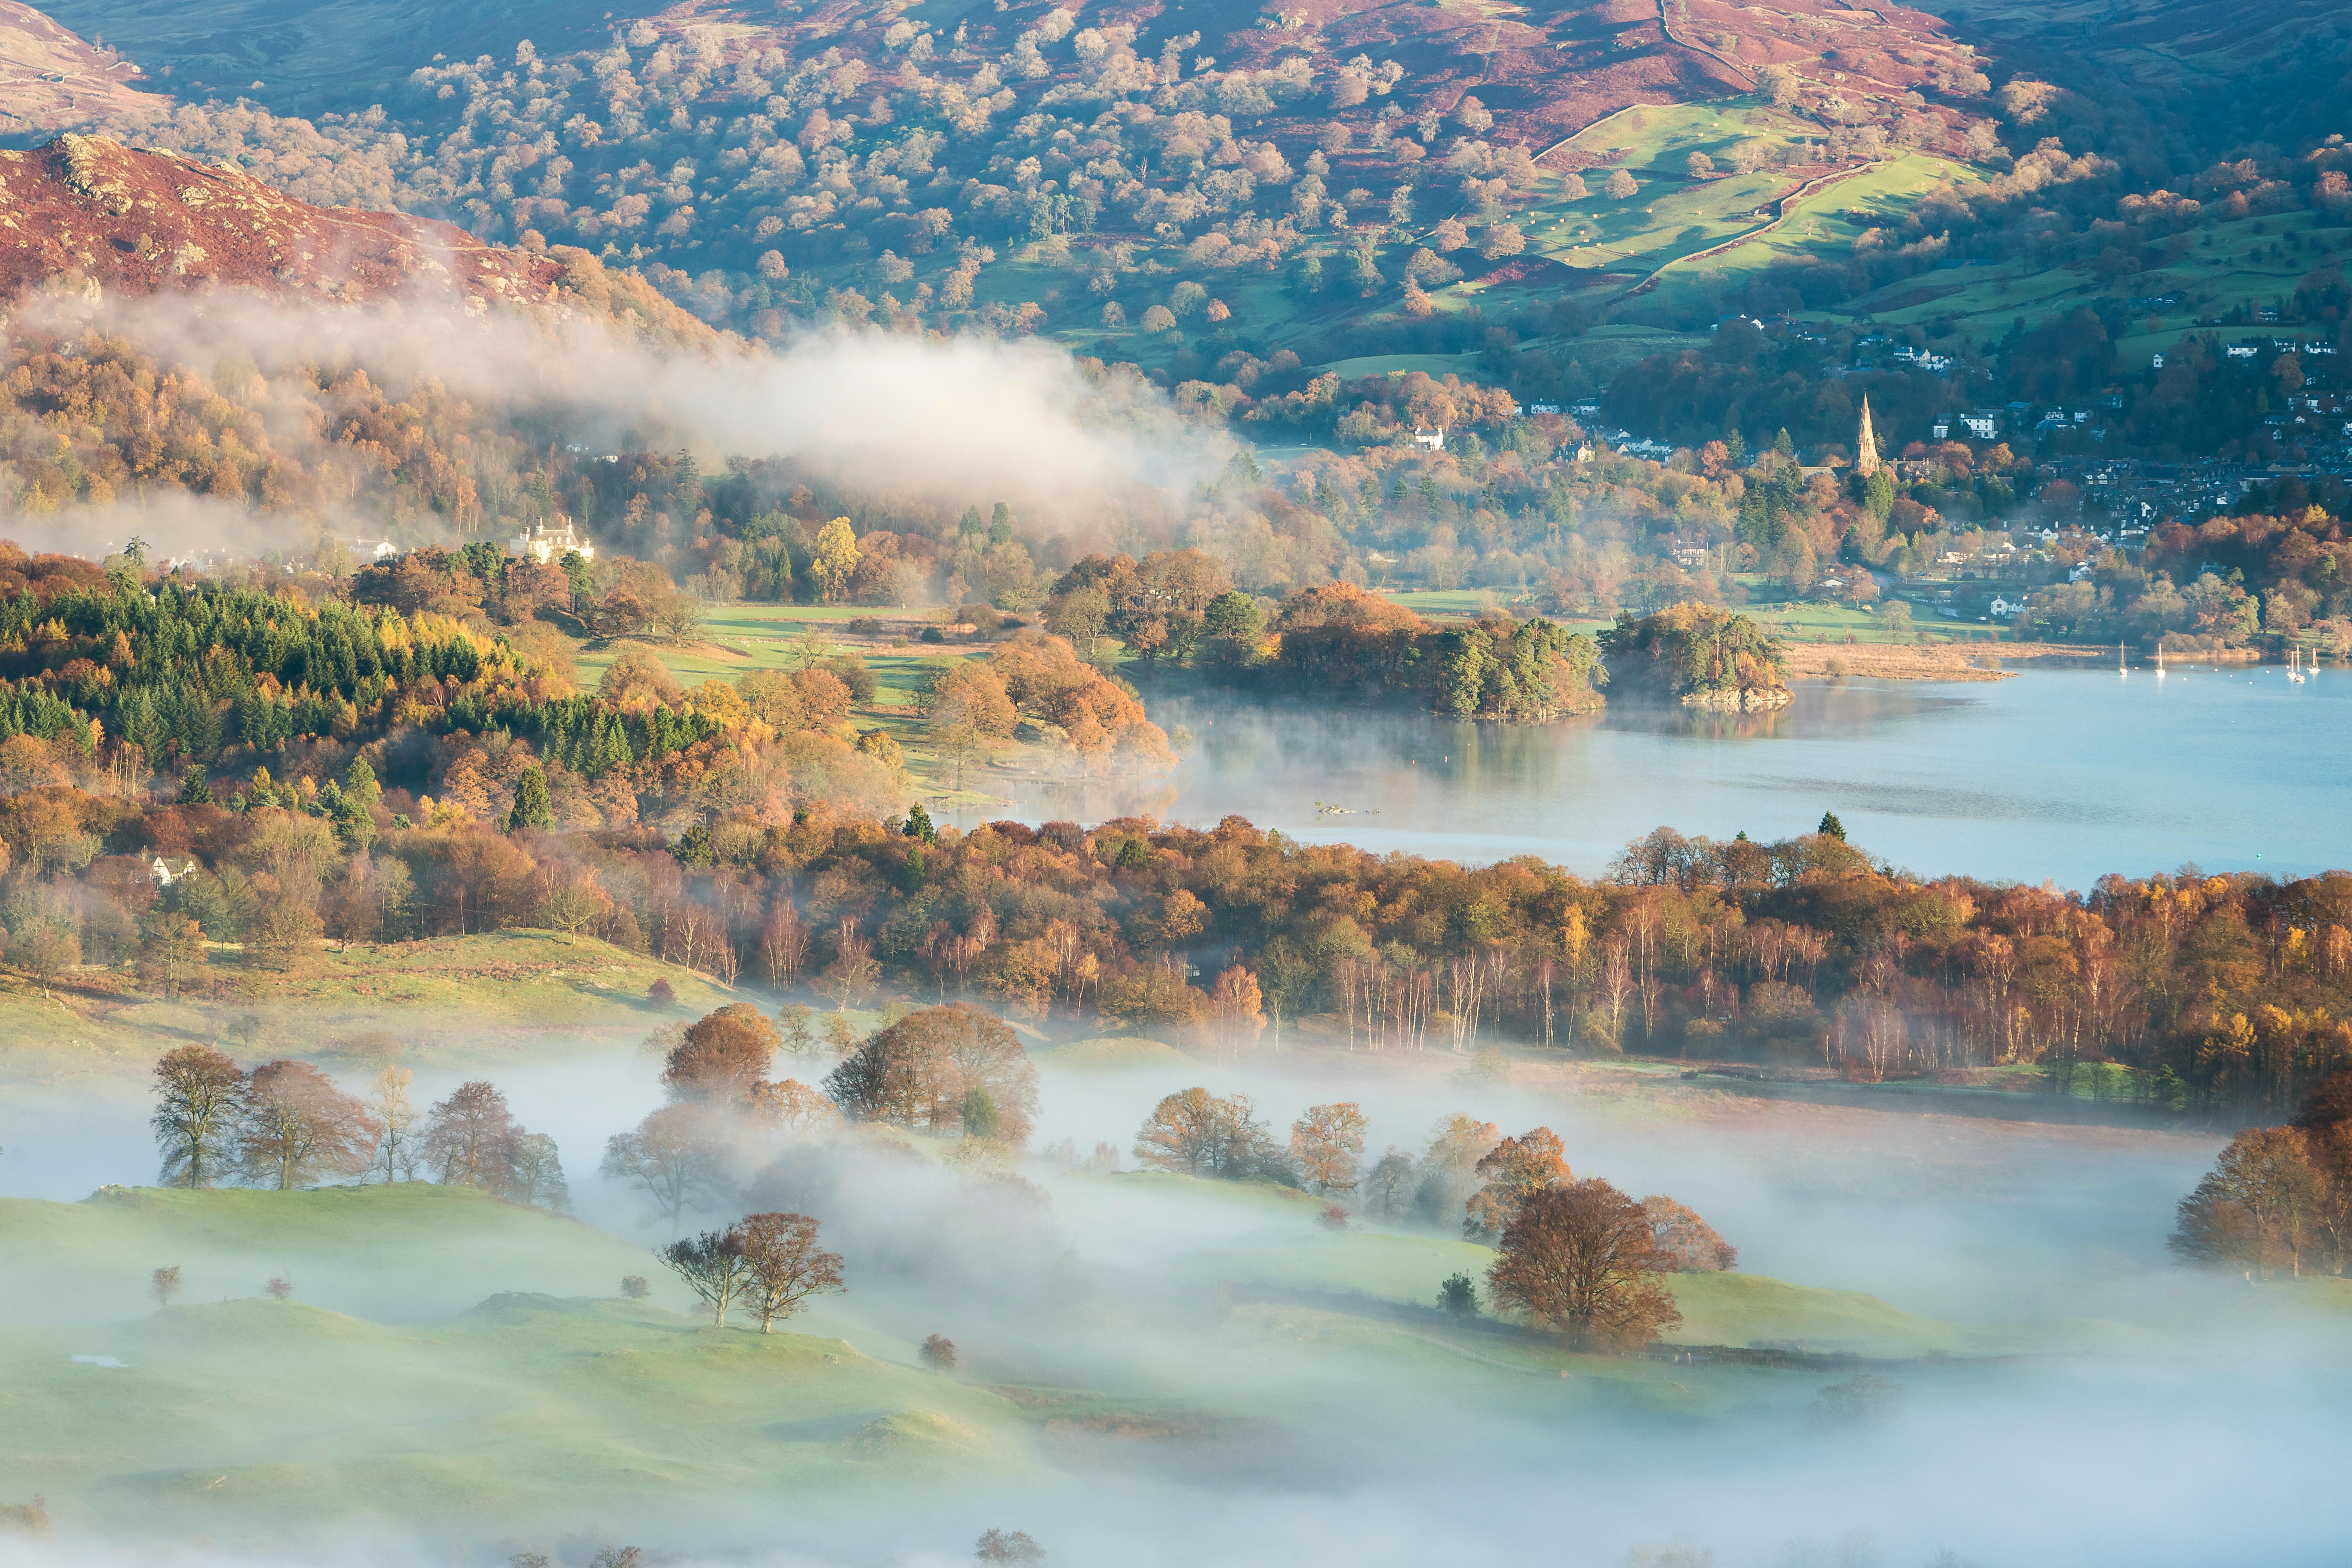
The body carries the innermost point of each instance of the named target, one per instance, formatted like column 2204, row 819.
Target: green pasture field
column 1116, row 1052
column 1442, row 603
column 1885, row 191
column 506, row 1417
column 1437, row 365
column 507, row 996
column 2212, row 280
column 1823, row 620
column 739, row 638
column 1288, row 1250
column 451, row 1359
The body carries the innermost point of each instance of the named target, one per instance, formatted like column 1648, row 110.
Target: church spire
column 1866, row 444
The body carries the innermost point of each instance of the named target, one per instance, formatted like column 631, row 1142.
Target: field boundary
column 1781, row 214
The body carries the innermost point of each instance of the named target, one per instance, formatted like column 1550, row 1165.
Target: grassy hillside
column 1283, row 1248
column 405, row 1253
column 509, row 1417
column 1115, row 1052
column 464, row 1367
column 500, row 996
column 493, row 1373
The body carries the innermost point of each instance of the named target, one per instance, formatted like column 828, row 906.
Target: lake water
column 2053, row 774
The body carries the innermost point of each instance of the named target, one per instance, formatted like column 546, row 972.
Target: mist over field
column 1227, row 808
column 1296, row 1400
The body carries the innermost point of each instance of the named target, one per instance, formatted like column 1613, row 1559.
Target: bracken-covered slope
column 51, row 79
column 1550, row 69
column 140, row 222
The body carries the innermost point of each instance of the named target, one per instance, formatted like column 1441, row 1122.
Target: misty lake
column 2059, row 775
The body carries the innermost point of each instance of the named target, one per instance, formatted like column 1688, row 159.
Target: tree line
column 2215, row 994
column 1577, row 1257
column 285, row 1125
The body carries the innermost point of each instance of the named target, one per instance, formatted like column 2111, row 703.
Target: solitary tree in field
column 1621, row 184
column 165, row 1284
column 1388, row 1189
column 922, row 1070
column 791, row 1106
column 834, row 559
column 713, row 1267
column 1009, row 1546
column 786, row 1265
column 939, row 1353
column 298, row 1128
column 1859, row 1400
column 1459, row 1294
column 670, row 1156
column 1578, row 1257
column 200, row 1094
column 1326, row 1145
column 537, row 1174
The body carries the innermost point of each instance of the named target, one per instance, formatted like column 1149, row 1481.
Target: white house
column 545, row 545
column 2004, row 608
column 1434, row 440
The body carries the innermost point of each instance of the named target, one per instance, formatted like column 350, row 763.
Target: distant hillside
column 2167, row 45
column 50, row 80
column 1032, row 167
column 86, row 209
column 140, row 221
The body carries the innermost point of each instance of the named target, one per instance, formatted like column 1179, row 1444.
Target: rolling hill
column 140, row 221
column 51, row 80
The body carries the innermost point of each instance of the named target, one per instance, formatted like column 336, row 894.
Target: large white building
column 545, row 545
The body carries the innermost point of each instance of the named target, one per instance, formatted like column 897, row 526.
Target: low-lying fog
column 2061, row 773
column 1940, row 1214
column 2188, row 1452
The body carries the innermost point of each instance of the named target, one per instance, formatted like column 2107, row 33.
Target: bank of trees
column 1334, row 639
column 1691, row 650
column 2220, row 584
column 2279, row 1200
column 286, row 1124
column 955, row 1072
column 2216, row 995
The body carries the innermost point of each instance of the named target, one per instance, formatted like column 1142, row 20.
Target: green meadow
column 497, row 996
column 470, row 1370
